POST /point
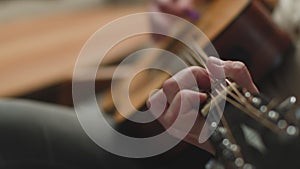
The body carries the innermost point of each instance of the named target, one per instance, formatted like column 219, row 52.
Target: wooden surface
column 42, row 52
column 38, row 53
column 219, row 14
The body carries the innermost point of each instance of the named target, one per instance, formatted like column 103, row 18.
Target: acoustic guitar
column 239, row 30
column 254, row 132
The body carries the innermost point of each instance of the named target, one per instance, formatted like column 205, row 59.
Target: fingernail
column 215, row 61
column 167, row 119
column 204, row 95
column 255, row 89
column 192, row 14
column 148, row 104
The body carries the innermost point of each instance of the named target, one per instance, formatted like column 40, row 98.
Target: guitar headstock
column 258, row 133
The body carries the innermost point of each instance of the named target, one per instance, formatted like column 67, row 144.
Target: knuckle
column 187, row 95
column 187, row 98
column 195, row 69
column 182, row 95
column 238, row 68
column 169, row 84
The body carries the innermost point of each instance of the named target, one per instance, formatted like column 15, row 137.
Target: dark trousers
column 39, row 135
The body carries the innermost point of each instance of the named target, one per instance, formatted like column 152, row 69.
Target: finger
column 235, row 70
column 184, row 101
column 193, row 135
column 189, row 101
column 187, row 9
column 169, row 6
column 157, row 103
column 182, row 8
column 188, row 78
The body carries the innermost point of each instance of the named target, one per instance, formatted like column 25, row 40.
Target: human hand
column 181, row 8
column 180, row 97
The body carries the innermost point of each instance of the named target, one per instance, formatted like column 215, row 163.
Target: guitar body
column 239, row 30
column 254, row 39
column 246, row 33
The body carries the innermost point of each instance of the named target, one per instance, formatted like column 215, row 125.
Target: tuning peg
column 282, row 124
column 292, row 130
column 213, row 164
column 273, row 115
column 222, row 130
column 287, row 104
column 218, row 135
column 256, row 101
column 239, row 162
column 248, row 166
column 228, row 154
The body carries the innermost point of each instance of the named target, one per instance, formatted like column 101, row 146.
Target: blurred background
column 16, row 9
column 41, row 39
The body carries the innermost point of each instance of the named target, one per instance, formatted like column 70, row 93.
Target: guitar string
column 254, row 114
column 224, row 122
column 203, row 56
column 239, row 97
column 229, row 132
column 253, row 111
column 188, row 55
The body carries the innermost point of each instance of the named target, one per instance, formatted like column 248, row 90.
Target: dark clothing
column 39, row 135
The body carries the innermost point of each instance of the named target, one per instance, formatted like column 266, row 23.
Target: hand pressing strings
column 180, row 97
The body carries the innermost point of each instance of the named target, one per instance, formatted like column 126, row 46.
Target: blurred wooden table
column 42, row 52
column 38, row 53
